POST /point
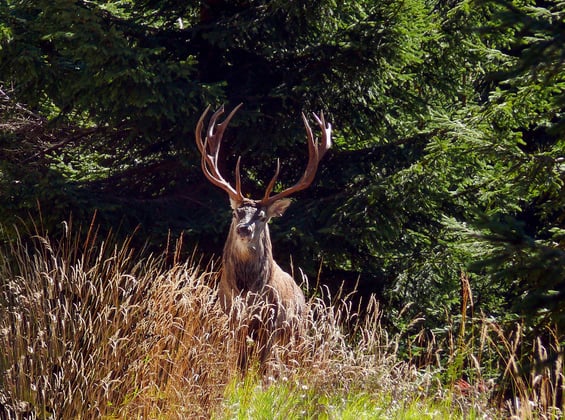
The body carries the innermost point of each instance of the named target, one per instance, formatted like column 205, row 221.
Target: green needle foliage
column 449, row 140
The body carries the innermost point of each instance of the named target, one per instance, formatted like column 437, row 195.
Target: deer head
column 250, row 217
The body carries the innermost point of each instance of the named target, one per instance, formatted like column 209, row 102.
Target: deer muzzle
column 245, row 231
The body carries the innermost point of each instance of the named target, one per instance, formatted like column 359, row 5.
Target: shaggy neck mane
column 249, row 267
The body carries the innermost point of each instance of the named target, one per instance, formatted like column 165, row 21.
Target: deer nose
column 244, row 230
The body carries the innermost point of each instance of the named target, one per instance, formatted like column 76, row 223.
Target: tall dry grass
column 92, row 328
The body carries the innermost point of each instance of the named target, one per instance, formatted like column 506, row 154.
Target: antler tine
column 209, row 165
column 326, row 134
column 272, row 182
column 216, row 131
column 238, row 178
column 213, row 136
column 210, row 149
column 315, row 153
column 198, row 131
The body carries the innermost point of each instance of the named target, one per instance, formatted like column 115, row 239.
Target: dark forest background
column 448, row 160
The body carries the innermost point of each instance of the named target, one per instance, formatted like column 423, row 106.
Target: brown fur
column 269, row 302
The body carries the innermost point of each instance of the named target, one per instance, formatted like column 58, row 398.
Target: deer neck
column 248, row 266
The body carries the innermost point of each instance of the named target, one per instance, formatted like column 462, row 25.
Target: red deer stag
column 250, row 276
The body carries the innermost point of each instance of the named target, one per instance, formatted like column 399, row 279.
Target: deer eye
column 262, row 215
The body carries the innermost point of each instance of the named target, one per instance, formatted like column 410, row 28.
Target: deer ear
column 278, row 208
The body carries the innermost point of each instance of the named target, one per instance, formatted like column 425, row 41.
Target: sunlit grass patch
column 285, row 399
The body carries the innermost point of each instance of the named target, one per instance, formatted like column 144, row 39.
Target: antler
column 210, row 149
column 315, row 153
